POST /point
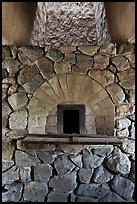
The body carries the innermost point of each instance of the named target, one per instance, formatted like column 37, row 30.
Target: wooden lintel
column 71, row 139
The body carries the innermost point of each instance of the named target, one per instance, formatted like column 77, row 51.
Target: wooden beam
column 71, row 139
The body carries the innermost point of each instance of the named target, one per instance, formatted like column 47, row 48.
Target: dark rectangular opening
column 71, row 121
column 71, row 118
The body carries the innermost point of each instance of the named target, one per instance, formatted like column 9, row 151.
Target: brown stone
column 120, row 62
column 108, row 49
column 6, row 110
column 70, row 58
column 125, row 110
column 8, row 149
column 89, row 50
column 116, row 93
column 14, row 51
column 4, row 90
column 12, row 89
column 5, row 52
column 100, row 61
column 127, row 79
column 126, row 48
column 9, row 80
column 84, row 61
column 4, row 73
column 131, row 94
column 4, row 122
column 62, row 67
column 27, row 73
column 28, row 54
column 67, row 49
column 131, row 58
column 79, row 70
column 103, row 77
column 46, row 67
column 55, row 55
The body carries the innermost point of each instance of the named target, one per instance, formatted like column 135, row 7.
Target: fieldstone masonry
column 36, row 79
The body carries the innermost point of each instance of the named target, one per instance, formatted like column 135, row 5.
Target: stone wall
column 34, row 81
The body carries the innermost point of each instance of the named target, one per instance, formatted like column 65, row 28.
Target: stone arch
column 71, row 88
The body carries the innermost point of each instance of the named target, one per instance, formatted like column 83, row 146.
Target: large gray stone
column 122, row 123
column 46, row 67
column 16, row 134
column 85, row 199
column 112, row 197
column 103, row 151
column 132, row 172
column 128, row 146
column 70, row 149
column 132, row 130
column 11, row 65
column 27, row 73
column 96, row 191
column 18, row 100
column 91, row 160
column 123, row 132
column 24, row 159
column 18, row 119
column 77, row 160
column 46, row 157
column 35, row 191
column 84, row 175
column 10, row 176
column 101, row 175
column 54, row 196
column 28, row 54
column 13, row 194
column 64, row 183
column 7, row 164
column 42, row 172
column 63, row 165
column 123, row 187
column 116, row 93
column 25, row 174
column 33, row 85
column 118, row 162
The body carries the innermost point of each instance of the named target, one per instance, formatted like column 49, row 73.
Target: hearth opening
column 71, row 119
